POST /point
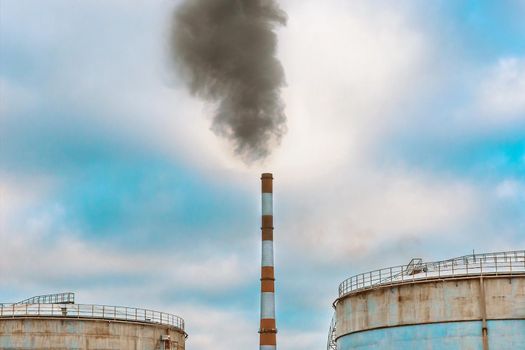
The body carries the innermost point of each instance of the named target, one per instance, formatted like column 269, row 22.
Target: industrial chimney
column 268, row 329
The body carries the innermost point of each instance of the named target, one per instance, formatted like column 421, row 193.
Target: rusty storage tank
column 56, row 322
column 468, row 303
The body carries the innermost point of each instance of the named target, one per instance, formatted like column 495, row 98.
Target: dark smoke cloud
column 226, row 51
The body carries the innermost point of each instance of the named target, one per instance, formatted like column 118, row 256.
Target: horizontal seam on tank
column 428, row 280
column 429, row 323
column 72, row 318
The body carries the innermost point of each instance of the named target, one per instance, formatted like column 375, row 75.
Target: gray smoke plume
column 226, row 51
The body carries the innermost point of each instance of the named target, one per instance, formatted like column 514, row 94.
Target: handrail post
column 481, row 266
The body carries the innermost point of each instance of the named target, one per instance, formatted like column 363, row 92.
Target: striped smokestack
column 268, row 329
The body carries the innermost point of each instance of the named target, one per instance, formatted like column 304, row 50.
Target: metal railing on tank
column 500, row 263
column 105, row 312
column 59, row 298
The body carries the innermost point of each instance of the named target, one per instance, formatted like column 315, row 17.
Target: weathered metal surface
column 440, row 336
column 117, row 313
column 430, row 302
column 449, row 336
column 506, row 334
column 84, row 334
column 445, row 314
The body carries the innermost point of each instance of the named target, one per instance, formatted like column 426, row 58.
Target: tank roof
column 63, row 305
column 499, row 263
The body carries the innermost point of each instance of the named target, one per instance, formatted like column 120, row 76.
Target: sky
column 406, row 138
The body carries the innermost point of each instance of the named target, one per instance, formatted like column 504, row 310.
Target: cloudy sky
column 406, row 138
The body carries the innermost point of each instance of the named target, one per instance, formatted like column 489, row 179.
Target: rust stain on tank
column 430, row 302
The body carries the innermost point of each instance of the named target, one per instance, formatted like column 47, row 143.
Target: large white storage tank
column 473, row 302
column 56, row 322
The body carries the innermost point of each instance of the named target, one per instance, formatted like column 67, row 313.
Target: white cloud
column 61, row 257
column 501, row 97
column 208, row 325
column 19, row 195
column 351, row 214
column 347, row 66
column 341, row 87
column 32, row 226
column 299, row 340
column 15, row 99
column 510, row 189
column 214, row 328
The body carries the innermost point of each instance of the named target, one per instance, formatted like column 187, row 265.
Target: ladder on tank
column 331, row 343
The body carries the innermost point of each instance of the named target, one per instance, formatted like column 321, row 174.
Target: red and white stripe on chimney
column 268, row 329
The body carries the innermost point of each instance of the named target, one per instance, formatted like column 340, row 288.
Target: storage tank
column 56, row 322
column 472, row 302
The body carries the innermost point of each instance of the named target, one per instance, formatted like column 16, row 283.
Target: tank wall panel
column 71, row 334
column 431, row 302
column 438, row 336
column 502, row 334
column 505, row 298
column 506, row 334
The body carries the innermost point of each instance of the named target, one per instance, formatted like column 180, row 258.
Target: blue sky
column 406, row 137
